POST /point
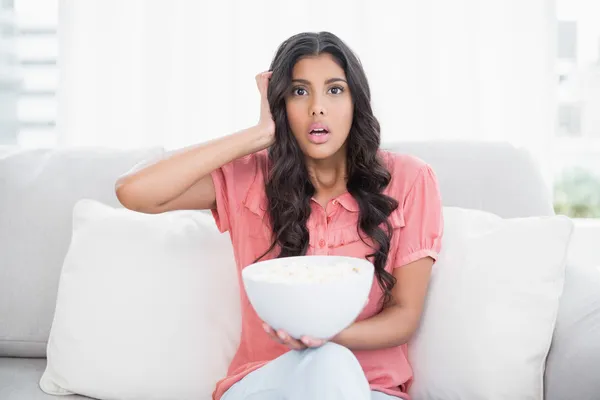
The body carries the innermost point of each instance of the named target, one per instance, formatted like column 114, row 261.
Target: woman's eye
column 299, row 91
column 336, row 90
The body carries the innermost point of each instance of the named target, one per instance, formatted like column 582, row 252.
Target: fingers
column 262, row 81
column 270, row 332
column 290, row 341
column 264, row 75
column 283, row 338
column 312, row 342
column 273, row 335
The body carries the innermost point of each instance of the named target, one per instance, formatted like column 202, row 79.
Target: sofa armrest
column 574, row 359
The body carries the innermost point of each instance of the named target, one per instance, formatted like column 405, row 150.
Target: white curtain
column 176, row 72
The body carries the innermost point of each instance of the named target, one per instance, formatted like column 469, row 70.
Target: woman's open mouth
column 318, row 133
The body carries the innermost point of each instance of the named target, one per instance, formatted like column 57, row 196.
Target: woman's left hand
column 294, row 344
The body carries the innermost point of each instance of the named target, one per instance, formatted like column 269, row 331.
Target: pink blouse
column 417, row 222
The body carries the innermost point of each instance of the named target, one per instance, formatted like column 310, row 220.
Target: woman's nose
column 317, row 108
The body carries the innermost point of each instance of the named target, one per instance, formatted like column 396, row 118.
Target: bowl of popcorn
column 316, row 296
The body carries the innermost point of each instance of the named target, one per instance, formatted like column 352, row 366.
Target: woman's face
column 319, row 106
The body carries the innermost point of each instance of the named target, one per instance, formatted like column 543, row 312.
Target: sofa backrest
column 494, row 177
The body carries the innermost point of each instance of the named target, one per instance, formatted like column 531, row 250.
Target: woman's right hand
column 266, row 122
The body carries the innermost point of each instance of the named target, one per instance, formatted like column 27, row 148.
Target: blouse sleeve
column 232, row 182
column 422, row 232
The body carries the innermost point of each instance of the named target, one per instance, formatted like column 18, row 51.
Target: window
column 569, row 120
column 577, row 145
column 28, row 72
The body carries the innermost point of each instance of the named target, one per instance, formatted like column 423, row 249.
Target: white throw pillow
column 147, row 308
column 491, row 308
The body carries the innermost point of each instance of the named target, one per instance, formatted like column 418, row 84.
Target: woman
column 310, row 179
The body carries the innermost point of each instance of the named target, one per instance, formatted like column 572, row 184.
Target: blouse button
column 334, row 202
column 322, row 243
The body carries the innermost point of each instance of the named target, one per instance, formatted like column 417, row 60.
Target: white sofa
column 38, row 189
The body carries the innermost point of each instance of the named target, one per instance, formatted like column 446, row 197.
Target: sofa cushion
column 148, row 307
column 38, row 189
column 491, row 308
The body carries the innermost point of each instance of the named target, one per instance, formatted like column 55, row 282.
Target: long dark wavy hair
column 288, row 186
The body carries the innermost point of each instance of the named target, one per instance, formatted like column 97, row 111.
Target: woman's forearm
column 392, row 327
column 147, row 187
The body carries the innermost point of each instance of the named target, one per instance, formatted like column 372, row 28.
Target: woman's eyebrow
column 327, row 82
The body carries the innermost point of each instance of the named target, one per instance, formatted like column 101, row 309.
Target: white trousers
column 329, row 372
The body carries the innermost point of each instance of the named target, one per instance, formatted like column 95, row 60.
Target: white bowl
column 317, row 309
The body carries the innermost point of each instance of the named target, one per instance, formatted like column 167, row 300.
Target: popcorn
column 307, row 272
